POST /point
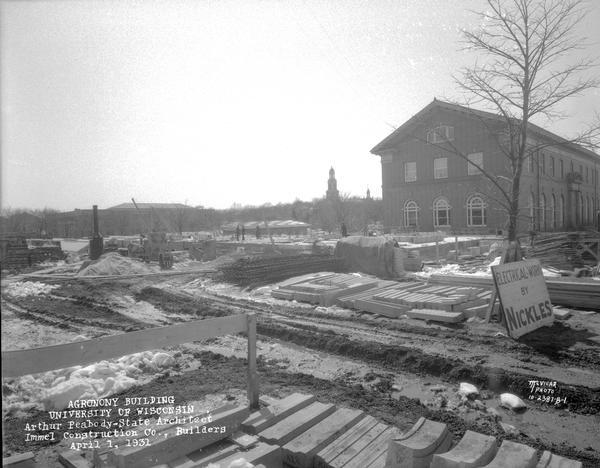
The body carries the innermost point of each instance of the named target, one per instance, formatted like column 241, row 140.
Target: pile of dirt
column 114, row 264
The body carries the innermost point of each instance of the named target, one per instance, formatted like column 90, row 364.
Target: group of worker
column 242, row 230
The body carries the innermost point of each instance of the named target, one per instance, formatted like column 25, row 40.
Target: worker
column 243, row 232
column 237, row 233
column 257, row 231
column 344, row 230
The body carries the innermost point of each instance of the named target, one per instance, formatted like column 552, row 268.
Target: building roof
column 148, row 206
column 408, row 126
column 261, row 224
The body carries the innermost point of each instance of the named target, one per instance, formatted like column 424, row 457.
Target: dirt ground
column 394, row 369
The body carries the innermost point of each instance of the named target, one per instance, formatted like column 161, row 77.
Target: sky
column 216, row 103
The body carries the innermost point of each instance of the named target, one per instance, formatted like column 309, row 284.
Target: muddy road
column 385, row 367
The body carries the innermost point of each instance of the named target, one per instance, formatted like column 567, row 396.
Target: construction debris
column 570, row 292
column 18, row 252
column 258, row 271
column 566, row 250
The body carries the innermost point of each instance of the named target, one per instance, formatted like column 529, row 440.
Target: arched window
column 441, row 212
column 552, row 212
column 475, row 211
column 543, row 212
column 411, row 214
column 561, row 214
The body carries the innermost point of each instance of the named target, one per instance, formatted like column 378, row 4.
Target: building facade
column 432, row 176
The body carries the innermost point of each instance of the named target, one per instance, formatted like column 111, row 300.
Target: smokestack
column 96, row 242
column 95, row 220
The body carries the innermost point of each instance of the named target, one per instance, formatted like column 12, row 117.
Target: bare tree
column 525, row 73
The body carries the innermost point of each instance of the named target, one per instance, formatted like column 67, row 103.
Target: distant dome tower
column 332, row 191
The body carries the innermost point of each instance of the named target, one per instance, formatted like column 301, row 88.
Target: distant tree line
column 328, row 215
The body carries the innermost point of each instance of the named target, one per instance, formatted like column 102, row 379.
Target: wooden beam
column 32, row 361
column 252, row 374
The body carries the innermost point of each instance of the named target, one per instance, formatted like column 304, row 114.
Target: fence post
column 252, row 375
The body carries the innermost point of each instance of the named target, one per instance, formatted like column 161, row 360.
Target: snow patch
column 29, row 288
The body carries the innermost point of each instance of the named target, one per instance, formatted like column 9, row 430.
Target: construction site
column 440, row 308
column 297, row 351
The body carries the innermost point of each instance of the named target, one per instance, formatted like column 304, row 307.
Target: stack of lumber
column 569, row 292
column 15, row 253
column 300, row 432
column 255, row 271
column 420, row 300
column 324, row 289
column 566, row 250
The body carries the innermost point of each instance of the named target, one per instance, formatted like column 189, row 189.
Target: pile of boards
column 567, row 291
column 16, row 253
column 255, row 271
column 300, row 432
column 389, row 298
column 324, row 288
column 566, row 250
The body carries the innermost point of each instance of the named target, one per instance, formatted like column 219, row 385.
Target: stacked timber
column 15, row 253
column 324, row 289
column 419, row 300
column 566, row 250
column 569, row 292
column 255, row 271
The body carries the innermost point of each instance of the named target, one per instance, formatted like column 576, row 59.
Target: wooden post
column 437, row 252
column 252, row 375
column 456, row 247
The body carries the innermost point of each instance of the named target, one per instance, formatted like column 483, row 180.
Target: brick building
column 427, row 186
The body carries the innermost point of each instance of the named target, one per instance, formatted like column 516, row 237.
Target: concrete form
column 473, row 450
column 299, row 432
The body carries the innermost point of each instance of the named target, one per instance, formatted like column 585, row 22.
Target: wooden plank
column 353, row 450
column 185, row 439
column 278, row 410
column 205, row 456
column 376, row 307
column 269, row 455
column 295, row 424
column 436, row 315
column 374, row 450
column 300, row 451
column 252, row 374
column 32, row 361
column 340, row 444
column 74, row 459
column 243, row 441
column 20, row 460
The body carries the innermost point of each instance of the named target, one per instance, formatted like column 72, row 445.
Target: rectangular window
column 531, row 163
column 440, row 168
column 587, row 175
column 552, row 166
column 410, row 171
column 440, row 134
column 474, row 158
column 562, row 169
column 543, row 164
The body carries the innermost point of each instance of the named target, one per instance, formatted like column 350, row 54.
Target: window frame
column 411, row 206
column 437, row 209
column 435, row 136
column 480, row 206
column 406, row 165
column 470, row 165
column 435, row 170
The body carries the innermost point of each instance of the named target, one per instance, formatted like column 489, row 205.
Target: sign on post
column 523, row 296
